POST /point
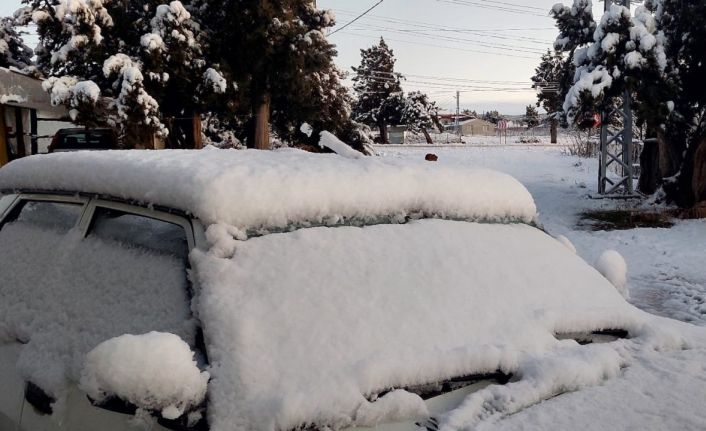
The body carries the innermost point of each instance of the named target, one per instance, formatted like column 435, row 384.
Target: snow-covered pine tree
column 420, row 114
column 177, row 73
column 674, row 103
column 531, row 117
column 575, row 23
column 378, row 89
column 547, row 80
column 492, row 116
column 69, row 33
column 131, row 50
column 659, row 56
column 278, row 54
column 625, row 50
column 13, row 51
column 576, row 27
column 312, row 91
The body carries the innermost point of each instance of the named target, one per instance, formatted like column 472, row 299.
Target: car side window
column 56, row 216
column 140, row 231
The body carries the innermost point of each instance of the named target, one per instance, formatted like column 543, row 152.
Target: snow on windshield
column 275, row 189
column 328, row 318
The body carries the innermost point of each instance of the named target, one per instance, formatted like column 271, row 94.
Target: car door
column 47, row 220
column 99, row 269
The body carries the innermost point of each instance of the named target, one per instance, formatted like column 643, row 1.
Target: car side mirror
column 181, row 423
column 37, row 398
column 126, row 375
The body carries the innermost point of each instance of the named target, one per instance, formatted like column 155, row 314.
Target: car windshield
column 429, row 306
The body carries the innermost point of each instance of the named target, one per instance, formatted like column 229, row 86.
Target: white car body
column 421, row 295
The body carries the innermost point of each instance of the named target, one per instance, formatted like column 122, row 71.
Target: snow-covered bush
column 155, row 371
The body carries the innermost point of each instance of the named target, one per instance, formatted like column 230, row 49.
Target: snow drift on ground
column 358, row 311
column 154, row 371
column 254, row 189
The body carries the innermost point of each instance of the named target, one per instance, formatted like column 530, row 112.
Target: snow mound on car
column 275, row 189
column 306, row 327
column 154, row 371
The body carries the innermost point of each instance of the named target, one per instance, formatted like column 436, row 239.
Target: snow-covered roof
column 18, row 89
column 476, row 120
column 307, row 327
column 252, row 189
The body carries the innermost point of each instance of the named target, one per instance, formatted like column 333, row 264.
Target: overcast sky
column 487, row 49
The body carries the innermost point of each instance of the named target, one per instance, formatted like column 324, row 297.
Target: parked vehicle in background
column 77, row 139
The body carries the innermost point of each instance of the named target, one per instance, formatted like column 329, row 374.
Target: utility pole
column 616, row 142
column 458, row 112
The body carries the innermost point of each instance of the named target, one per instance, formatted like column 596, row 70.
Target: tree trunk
column 699, row 179
column 19, row 134
column 261, row 140
column 669, row 157
column 383, row 133
column 690, row 185
column 4, row 148
column 427, row 136
column 553, row 126
column 650, row 176
column 196, row 131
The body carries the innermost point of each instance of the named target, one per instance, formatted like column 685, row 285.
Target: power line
column 504, row 54
column 458, row 86
column 493, row 7
column 356, row 18
column 514, row 5
column 481, row 33
column 444, row 78
column 492, row 45
column 415, row 22
column 434, row 27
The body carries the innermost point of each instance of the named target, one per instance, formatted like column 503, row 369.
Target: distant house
column 477, row 127
column 27, row 118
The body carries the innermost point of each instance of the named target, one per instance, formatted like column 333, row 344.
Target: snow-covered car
column 246, row 290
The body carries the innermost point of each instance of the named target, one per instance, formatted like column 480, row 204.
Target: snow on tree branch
column 133, row 102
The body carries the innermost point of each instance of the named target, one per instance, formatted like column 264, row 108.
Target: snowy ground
column 666, row 266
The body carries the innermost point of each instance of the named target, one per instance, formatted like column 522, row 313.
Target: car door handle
column 39, row 399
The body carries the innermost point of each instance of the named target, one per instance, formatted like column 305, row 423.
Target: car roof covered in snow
column 275, row 189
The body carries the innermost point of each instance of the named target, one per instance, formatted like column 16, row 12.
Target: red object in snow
column 596, row 120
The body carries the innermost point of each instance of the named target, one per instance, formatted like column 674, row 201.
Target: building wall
column 478, row 128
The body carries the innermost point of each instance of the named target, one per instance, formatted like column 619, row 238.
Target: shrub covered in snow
column 155, row 371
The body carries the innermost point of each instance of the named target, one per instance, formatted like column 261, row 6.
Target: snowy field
column 666, row 266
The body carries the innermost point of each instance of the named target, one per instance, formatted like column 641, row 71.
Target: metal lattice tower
column 616, row 144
